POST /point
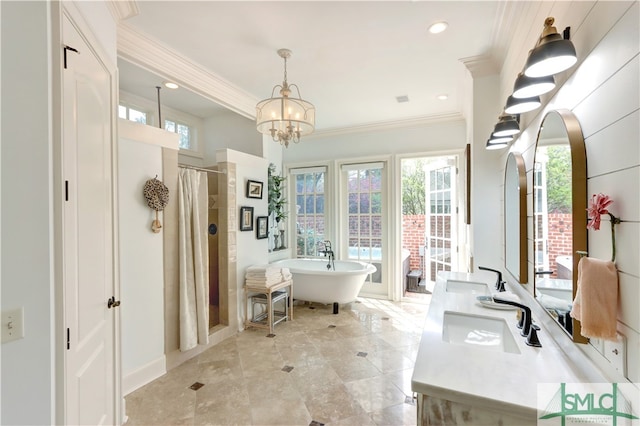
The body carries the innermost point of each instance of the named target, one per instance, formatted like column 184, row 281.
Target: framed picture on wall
column 254, row 189
column 246, row 218
column 262, row 223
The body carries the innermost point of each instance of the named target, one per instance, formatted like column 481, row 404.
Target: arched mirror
column 559, row 215
column 515, row 217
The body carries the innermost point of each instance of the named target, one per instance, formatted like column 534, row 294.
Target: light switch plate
column 616, row 353
column 12, row 325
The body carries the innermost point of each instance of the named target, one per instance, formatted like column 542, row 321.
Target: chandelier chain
column 285, row 70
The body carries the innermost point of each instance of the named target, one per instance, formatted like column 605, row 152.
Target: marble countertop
column 500, row 381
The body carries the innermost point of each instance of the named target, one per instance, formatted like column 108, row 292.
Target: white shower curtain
column 194, row 258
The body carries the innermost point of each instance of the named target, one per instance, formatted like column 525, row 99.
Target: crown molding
column 150, row 54
column 388, row 125
column 481, row 65
column 123, row 9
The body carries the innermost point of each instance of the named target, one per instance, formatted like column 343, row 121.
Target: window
column 132, row 114
column 364, row 193
column 310, row 209
column 540, row 216
column 441, row 224
column 362, row 220
column 181, row 129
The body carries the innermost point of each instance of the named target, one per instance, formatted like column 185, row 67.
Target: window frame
column 151, row 108
column 292, row 172
column 129, row 107
column 192, row 132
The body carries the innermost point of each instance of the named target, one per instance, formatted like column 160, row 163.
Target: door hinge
column 66, row 190
column 456, row 210
column 112, row 303
column 65, row 53
column 68, row 339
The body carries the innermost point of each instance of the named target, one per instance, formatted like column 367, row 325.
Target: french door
column 441, row 218
column 363, row 221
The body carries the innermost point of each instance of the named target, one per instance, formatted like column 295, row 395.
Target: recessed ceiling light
column 438, row 27
column 170, row 85
column 442, row 97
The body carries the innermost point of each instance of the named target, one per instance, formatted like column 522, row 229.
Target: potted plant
column 277, row 202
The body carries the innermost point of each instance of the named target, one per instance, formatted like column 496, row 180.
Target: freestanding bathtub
column 313, row 282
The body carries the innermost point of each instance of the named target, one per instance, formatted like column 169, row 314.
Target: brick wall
column 413, row 238
column 560, row 233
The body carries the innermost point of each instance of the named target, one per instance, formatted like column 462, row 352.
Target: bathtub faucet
column 328, row 252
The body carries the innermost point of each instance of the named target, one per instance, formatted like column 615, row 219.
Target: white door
column 441, row 218
column 88, row 258
column 363, row 221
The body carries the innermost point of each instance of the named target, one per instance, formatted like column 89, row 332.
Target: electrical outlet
column 12, row 325
column 616, row 353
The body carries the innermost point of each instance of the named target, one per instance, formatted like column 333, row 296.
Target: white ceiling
column 350, row 59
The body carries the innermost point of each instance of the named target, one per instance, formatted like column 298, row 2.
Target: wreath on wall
column 157, row 196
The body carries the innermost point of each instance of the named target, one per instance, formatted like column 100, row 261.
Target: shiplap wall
column 603, row 91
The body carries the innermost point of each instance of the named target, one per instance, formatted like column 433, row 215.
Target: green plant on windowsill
column 277, row 202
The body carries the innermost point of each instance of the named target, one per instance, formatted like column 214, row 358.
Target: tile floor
column 353, row 368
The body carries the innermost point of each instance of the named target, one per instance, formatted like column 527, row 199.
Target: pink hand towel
column 596, row 301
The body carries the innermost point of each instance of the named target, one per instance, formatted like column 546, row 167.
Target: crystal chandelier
column 283, row 117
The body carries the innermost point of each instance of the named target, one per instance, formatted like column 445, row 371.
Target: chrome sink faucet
column 499, row 283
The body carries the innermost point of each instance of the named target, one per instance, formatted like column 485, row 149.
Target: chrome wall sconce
column 552, row 54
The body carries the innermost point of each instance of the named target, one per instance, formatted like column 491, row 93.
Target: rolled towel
column 596, row 301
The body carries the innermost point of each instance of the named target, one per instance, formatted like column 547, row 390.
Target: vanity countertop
column 499, row 381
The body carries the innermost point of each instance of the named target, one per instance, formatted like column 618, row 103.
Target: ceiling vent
column 403, row 98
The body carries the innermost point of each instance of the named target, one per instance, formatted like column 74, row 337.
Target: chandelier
column 283, row 117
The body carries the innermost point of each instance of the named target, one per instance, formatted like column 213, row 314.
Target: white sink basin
column 478, row 331
column 468, row 287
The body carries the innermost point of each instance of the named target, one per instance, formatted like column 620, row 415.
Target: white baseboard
column 143, row 375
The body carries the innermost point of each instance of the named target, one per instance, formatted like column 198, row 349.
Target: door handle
column 112, row 303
